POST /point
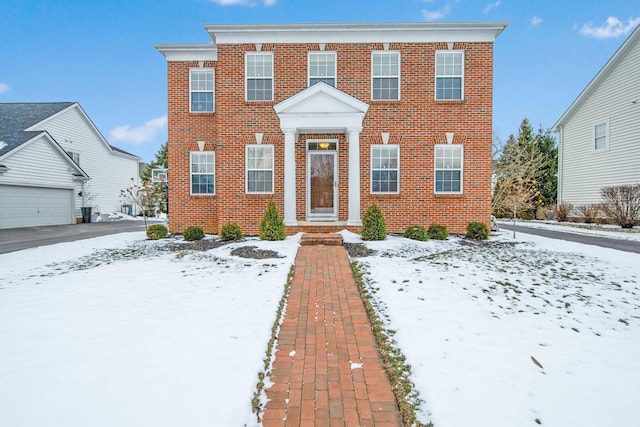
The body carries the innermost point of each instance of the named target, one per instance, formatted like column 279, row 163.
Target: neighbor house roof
column 16, row 117
column 611, row 64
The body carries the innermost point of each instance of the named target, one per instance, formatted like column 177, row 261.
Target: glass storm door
column 321, row 185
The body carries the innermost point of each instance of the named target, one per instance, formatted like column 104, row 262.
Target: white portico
column 321, row 109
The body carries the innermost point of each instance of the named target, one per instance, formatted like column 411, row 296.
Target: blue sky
column 101, row 54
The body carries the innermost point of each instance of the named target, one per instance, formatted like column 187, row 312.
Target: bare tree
column 621, row 204
column 144, row 196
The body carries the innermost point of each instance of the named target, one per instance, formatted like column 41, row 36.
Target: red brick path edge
column 327, row 369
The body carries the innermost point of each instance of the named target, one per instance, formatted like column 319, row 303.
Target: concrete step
column 317, row 239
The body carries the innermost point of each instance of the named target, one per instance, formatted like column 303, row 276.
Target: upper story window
column 259, row 76
column 201, row 90
column 75, row 156
column 385, row 76
column 322, row 68
column 448, row 168
column 259, row 168
column 450, row 74
column 203, row 166
column 601, row 136
column 385, row 167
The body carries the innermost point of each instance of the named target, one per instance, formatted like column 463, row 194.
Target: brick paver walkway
column 327, row 370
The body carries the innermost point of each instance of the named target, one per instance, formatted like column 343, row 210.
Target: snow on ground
column 118, row 330
column 114, row 331
column 604, row 230
column 470, row 317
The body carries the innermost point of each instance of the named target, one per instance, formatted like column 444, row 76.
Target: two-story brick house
column 327, row 119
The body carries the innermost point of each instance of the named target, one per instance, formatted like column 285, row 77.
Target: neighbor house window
column 203, row 166
column 448, row 168
column 259, row 168
column 201, row 90
column 322, row 68
column 385, row 76
column 449, row 74
column 385, row 168
column 259, row 76
column 75, row 156
column 601, row 136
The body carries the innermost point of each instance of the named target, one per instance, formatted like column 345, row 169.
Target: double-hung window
column 322, row 68
column 203, row 166
column 448, row 167
column 201, row 90
column 450, row 74
column 259, row 76
column 385, row 168
column 385, row 76
column 259, row 168
column 75, row 156
column 601, row 136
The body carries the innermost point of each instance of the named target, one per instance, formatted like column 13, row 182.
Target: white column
column 353, row 136
column 290, row 177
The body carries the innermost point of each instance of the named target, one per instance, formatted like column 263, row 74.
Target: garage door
column 30, row 206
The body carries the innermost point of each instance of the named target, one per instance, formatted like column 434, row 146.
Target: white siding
column 110, row 171
column 585, row 172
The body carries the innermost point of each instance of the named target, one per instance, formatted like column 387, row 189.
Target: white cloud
column 432, row 15
column 490, row 6
column 242, row 2
column 139, row 134
column 4, row 87
column 612, row 27
column 535, row 21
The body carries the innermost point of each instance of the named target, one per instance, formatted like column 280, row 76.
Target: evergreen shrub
column 193, row 233
column 157, row 231
column 373, row 225
column 438, row 232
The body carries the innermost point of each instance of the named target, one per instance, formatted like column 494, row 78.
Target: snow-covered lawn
column 112, row 331
column 470, row 317
column 118, row 331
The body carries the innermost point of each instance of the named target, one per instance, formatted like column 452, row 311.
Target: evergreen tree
column 159, row 195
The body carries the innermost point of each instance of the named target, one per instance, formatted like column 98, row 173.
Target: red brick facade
column 416, row 122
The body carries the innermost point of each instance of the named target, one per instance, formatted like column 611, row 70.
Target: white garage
column 22, row 206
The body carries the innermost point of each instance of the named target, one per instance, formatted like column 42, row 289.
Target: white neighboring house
column 53, row 161
column 600, row 132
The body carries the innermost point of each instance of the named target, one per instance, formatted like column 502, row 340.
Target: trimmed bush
column 562, row 211
column 271, row 226
column 417, row 232
column 157, row 232
column 438, row 232
column 477, row 231
column 373, row 225
column 621, row 204
column 193, row 233
column 589, row 213
column 231, row 231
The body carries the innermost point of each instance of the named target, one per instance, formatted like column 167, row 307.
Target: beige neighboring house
column 600, row 132
column 53, row 162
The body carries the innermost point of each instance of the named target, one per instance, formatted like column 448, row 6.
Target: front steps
column 318, row 239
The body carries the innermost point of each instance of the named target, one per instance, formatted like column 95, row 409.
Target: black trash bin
column 86, row 214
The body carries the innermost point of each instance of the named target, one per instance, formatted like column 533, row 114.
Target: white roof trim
column 316, row 89
column 611, row 64
column 357, row 33
column 188, row 52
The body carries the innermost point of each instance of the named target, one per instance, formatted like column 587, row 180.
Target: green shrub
column 417, row 232
column 193, row 233
column 231, row 231
column 477, row 231
column 157, row 231
column 373, row 225
column 438, row 232
column 271, row 226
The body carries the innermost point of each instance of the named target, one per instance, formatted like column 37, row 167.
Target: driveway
column 605, row 242
column 16, row 239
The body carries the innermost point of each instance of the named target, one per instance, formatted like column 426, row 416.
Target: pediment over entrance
column 321, row 108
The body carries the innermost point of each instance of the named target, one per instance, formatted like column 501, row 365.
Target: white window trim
column 213, row 91
column 246, row 77
column 435, row 169
column 191, row 173
column 606, row 136
column 335, row 66
column 397, row 53
column 246, row 168
column 75, row 156
column 435, row 82
column 372, row 169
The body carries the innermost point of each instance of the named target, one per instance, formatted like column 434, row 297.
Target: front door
column 322, row 186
